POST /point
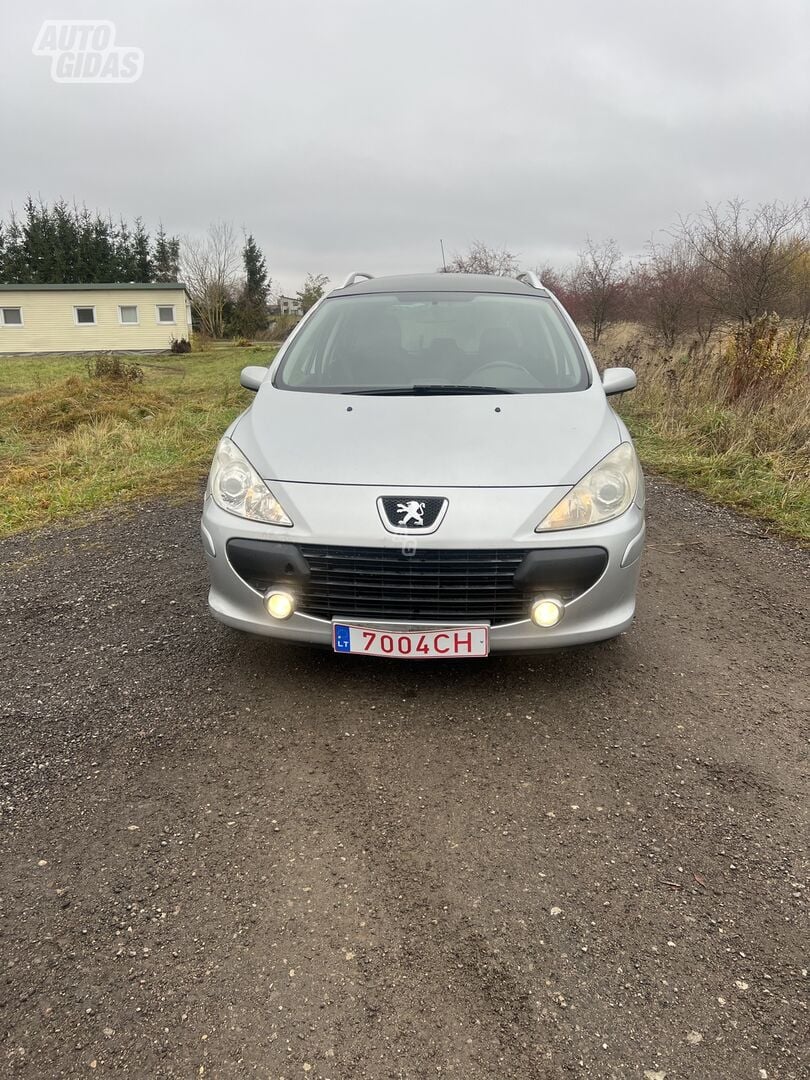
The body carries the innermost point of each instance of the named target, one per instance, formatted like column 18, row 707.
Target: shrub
column 282, row 326
column 760, row 355
column 115, row 368
column 201, row 342
column 243, row 343
column 181, row 345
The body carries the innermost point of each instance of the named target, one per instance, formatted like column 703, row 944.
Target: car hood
column 505, row 440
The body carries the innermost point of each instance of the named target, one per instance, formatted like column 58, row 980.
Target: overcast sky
column 354, row 134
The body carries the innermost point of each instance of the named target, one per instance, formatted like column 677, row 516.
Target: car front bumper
column 478, row 519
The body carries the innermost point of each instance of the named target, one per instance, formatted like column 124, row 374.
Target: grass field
column 71, row 443
column 768, row 487
column 752, row 454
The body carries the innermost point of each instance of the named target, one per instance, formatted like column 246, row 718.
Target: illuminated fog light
column 279, row 604
column 547, row 611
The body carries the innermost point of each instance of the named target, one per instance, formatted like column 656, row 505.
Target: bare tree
column 671, row 282
column 798, row 304
column 748, row 255
column 211, row 271
column 597, row 282
column 552, row 278
column 481, row 259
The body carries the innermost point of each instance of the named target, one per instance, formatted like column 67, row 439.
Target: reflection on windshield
column 374, row 342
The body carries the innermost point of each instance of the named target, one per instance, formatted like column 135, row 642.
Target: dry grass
column 751, row 452
column 74, row 443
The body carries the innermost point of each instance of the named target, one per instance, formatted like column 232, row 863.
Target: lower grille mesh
column 385, row 583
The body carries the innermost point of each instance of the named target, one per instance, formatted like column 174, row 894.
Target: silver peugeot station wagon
column 430, row 468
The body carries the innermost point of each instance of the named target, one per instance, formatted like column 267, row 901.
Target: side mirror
column 615, row 380
column 252, row 377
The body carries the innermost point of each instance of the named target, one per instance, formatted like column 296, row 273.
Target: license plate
column 452, row 641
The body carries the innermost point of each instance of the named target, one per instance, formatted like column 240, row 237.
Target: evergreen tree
column 15, row 267
column 104, row 258
column 256, row 282
column 85, row 249
column 250, row 312
column 166, row 257
column 35, row 231
column 173, row 244
column 62, row 244
column 126, row 268
column 65, row 234
column 141, row 254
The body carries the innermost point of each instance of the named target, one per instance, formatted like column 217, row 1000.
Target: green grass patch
column 70, row 443
column 768, row 485
column 19, row 374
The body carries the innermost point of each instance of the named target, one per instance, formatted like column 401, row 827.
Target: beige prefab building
column 92, row 318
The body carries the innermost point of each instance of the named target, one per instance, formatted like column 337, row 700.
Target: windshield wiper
column 427, row 389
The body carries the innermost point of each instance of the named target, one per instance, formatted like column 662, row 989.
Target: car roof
column 478, row 283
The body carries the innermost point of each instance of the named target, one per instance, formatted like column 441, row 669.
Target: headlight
column 235, row 486
column 603, row 493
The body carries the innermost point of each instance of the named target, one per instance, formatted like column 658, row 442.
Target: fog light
column 279, row 604
column 547, row 611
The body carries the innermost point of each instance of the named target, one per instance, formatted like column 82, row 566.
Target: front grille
column 384, row 583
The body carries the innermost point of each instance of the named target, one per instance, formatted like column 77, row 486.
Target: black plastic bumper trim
column 572, row 569
column 267, row 561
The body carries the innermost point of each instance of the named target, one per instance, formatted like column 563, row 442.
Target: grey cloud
column 359, row 133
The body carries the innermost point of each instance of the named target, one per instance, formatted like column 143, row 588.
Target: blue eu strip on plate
column 342, row 638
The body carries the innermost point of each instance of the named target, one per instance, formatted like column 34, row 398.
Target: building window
column 11, row 316
column 165, row 313
column 84, row 316
column 128, row 314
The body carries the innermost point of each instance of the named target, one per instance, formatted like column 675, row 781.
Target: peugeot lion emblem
column 411, row 513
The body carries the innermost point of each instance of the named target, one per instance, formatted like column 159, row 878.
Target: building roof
column 95, row 286
column 487, row 283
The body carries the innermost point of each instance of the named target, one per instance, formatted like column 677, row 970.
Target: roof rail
column 353, row 278
column 530, row 278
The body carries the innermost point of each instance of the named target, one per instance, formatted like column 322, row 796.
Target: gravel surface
column 223, row 857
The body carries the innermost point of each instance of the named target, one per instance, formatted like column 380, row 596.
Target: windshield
column 441, row 342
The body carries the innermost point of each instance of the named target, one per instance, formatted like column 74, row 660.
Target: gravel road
column 221, row 857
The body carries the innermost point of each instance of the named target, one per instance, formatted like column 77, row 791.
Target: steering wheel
column 501, row 364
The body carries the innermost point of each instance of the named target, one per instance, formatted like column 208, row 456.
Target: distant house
column 289, row 305
column 93, row 318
